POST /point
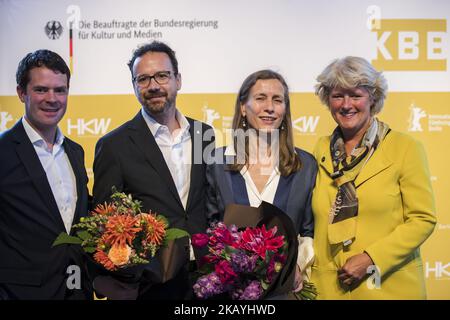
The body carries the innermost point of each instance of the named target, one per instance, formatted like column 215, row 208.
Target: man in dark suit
column 157, row 157
column 43, row 189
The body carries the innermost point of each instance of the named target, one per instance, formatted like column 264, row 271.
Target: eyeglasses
column 144, row 80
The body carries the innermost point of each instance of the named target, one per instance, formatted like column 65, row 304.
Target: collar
column 155, row 127
column 275, row 172
column 36, row 138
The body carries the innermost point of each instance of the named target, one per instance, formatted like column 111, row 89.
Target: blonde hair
column 352, row 72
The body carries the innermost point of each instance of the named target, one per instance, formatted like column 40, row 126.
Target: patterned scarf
column 342, row 222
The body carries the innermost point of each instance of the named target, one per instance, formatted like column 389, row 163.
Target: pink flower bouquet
column 252, row 254
column 240, row 263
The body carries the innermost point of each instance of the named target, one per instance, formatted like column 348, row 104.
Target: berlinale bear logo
column 53, row 29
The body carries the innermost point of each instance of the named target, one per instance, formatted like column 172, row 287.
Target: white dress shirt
column 59, row 172
column 176, row 150
column 255, row 198
column 268, row 193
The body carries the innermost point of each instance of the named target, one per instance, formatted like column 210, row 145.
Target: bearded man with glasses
column 152, row 157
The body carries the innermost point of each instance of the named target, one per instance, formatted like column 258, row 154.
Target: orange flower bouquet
column 117, row 235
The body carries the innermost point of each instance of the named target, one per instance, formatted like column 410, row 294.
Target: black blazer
column 30, row 221
column 293, row 194
column 130, row 159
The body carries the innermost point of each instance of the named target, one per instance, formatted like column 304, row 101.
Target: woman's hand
column 354, row 269
column 298, row 281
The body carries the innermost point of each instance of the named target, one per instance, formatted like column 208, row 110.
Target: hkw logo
column 306, row 124
column 439, row 270
column 94, row 126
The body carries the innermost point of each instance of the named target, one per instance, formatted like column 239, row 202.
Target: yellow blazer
column 396, row 215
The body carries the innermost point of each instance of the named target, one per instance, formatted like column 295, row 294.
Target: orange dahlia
column 104, row 209
column 119, row 255
column 102, row 258
column 121, row 230
column 155, row 229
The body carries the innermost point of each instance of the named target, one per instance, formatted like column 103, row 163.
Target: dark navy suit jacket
column 30, row 268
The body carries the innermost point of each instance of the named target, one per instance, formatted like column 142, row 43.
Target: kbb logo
column 410, row 44
column 96, row 127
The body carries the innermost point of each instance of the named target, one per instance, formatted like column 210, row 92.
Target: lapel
column 197, row 163
column 143, row 138
column 223, row 178
column 377, row 163
column 238, row 188
column 283, row 191
column 78, row 171
column 33, row 166
column 323, row 155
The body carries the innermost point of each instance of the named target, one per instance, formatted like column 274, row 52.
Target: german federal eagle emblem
column 53, row 29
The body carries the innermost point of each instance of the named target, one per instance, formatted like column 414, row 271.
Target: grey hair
column 352, row 72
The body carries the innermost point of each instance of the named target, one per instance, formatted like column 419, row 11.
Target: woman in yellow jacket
column 373, row 202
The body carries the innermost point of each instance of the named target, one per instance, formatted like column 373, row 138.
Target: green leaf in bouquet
column 138, row 260
column 206, row 268
column 268, row 257
column 264, row 285
column 83, row 235
column 308, row 292
column 89, row 249
column 175, row 233
column 64, row 238
column 228, row 250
